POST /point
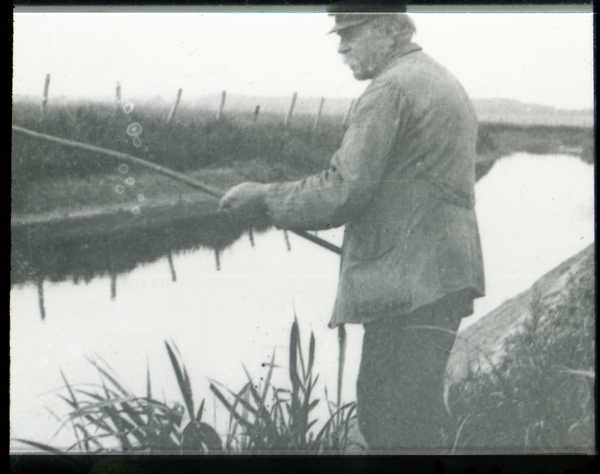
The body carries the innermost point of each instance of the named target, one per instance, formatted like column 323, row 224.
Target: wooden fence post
column 319, row 114
column 175, row 105
column 118, row 95
column 256, row 113
column 289, row 114
column 113, row 285
column 222, row 106
column 347, row 114
column 45, row 96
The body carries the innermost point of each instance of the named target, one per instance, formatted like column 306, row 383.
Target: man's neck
column 401, row 50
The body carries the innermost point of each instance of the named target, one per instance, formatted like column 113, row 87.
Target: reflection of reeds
column 40, row 291
column 110, row 418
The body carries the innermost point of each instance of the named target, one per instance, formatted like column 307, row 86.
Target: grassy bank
column 46, row 176
column 540, row 396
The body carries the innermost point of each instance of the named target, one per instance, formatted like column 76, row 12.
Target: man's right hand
column 246, row 200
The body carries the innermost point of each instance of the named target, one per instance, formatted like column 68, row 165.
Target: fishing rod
column 162, row 170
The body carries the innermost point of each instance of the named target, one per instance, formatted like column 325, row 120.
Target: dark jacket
column 403, row 184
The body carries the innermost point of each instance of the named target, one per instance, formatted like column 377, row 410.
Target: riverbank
column 220, row 152
column 71, row 208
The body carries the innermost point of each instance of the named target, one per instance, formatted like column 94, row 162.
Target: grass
column 496, row 140
column 108, row 417
column 46, row 176
column 540, row 397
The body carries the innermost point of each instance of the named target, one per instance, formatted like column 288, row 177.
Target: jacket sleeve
column 333, row 197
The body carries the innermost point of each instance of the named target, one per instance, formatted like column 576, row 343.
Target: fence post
column 175, row 105
column 118, row 95
column 222, row 106
column 289, row 114
column 347, row 113
column 45, row 96
column 319, row 114
column 256, row 113
column 113, row 285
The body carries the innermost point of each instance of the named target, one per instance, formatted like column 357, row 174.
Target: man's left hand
column 245, row 200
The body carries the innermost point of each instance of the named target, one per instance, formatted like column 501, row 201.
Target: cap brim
column 348, row 24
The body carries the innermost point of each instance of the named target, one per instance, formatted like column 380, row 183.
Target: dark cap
column 349, row 13
column 362, row 6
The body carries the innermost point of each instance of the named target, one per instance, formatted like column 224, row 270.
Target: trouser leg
column 400, row 383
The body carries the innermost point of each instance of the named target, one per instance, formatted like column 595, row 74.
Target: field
column 46, row 176
column 238, row 147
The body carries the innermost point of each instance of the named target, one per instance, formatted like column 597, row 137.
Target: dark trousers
column 400, row 383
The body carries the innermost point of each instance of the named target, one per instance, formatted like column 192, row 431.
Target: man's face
column 365, row 49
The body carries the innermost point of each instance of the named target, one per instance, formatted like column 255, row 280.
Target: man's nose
column 343, row 48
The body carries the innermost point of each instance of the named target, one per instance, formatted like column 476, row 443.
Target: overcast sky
column 541, row 58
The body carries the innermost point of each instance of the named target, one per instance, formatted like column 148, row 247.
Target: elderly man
column 402, row 182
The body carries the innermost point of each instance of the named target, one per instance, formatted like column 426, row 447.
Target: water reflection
column 534, row 212
column 95, row 246
column 219, row 320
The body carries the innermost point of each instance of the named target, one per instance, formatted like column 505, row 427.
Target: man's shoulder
column 417, row 74
column 415, row 67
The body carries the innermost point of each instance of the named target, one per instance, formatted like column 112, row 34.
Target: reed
column 540, row 397
column 108, row 417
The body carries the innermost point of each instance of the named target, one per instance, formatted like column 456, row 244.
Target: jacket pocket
column 370, row 241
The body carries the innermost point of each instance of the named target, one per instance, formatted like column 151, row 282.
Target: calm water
column 534, row 212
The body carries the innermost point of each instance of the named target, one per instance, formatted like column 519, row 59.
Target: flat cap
column 349, row 13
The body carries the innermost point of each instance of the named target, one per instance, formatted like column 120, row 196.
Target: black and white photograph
column 355, row 228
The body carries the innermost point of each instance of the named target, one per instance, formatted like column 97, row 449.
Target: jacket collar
column 400, row 52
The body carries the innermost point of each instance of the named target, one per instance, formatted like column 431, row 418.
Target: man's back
column 437, row 142
column 415, row 239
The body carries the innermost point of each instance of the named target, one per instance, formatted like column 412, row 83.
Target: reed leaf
column 45, row 447
column 245, row 404
column 268, row 379
column 311, row 352
column 294, row 340
column 200, row 412
column 88, row 437
column 111, row 379
column 148, row 384
column 182, row 381
column 134, row 415
column 73, row 403
column 224, row 401
column 122, row 428
column 93, row 407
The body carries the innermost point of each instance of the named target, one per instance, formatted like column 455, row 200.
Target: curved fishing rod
column 162, row 170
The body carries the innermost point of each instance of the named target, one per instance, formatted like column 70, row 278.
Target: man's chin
column 362, row 75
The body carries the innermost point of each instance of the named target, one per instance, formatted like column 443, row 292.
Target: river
column 534, row 212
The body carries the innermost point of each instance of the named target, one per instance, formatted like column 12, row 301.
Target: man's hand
column 246, row 200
